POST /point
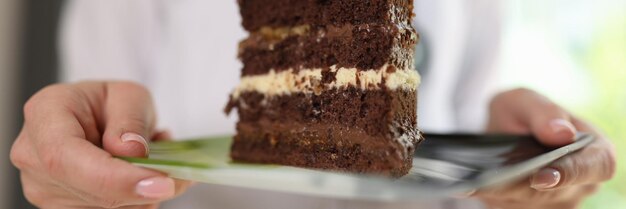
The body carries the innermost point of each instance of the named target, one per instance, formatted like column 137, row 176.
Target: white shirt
column 184, row 51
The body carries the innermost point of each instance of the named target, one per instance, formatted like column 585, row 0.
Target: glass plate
column 444, row 165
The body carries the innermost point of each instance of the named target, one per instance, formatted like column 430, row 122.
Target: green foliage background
column 606, row 64
column 574, row 52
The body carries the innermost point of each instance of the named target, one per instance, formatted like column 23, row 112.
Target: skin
column 72, row 131
column 70, row 135
column 563, row 184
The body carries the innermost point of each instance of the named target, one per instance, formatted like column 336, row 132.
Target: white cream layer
column 310, row 80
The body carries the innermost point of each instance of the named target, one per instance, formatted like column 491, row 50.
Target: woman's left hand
column 564, row 183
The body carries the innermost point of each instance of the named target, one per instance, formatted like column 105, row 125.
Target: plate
column 444, row 165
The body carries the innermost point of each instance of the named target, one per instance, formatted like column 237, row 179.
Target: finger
column 41, row 192
column 520, row 192
column 129, row 120
column 518, row 196
column 525, row 111
column 21, row 154
column 70, row 160
column 162, row 136
column 32, row 191
column 103, row 180
column 546, row 178
column 182, row 186
column 593, row 164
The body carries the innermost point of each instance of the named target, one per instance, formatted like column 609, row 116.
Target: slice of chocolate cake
column 327, row 84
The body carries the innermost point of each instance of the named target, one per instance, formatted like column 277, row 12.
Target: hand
column 563, row 184
column 70, row 135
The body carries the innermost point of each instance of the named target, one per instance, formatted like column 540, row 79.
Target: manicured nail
column 156, row 188
column 562, row 127
column 546, row 178
column 133, row 137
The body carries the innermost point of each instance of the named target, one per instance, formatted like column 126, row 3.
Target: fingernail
column 562, row 127
column 133, row 137
column 156, row 188
column 546, row 178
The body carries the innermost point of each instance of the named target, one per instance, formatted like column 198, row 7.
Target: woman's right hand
column 72, row 131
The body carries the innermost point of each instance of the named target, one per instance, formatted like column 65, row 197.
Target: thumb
column 533, row 113
column 129, row 120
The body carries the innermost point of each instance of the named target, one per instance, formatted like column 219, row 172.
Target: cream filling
column 283, row 32
column 310, row 80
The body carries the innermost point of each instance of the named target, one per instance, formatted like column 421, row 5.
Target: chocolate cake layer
column 287, row 13
column 362, row 47
column 347, row 129
column 370, row 111
column 318, row 147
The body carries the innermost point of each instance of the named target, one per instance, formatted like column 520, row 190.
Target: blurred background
column 573, row 51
